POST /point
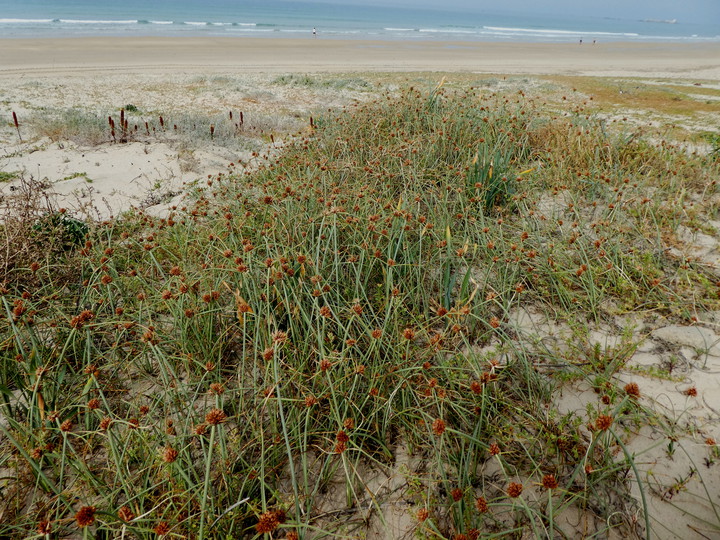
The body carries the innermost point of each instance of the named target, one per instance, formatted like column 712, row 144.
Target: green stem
column 206, row 486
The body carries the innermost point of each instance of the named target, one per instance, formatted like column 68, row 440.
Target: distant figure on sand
column 314, row 32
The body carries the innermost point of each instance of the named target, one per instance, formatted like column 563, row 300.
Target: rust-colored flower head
column 376, row 333
column 169, row 454
column 217, row 389
column 633, row 390
column 514, row 490
column 105, row 423
column 162, row 528
column 340, row 447
column 438, row 426
column 325, row 364
column 44, row 527
column 691, row 392
column 549, row 481
column 342, row 436
column 481, row 505
column 603, row 422
column 422, row 514
column 85, row 516
column 476, row 387
column 215, row 417
column 494, row 449
column 292, row 535
column 93, row 404
column 66, row 426
column 200, row 430
column 456, row 494
column 310, row 401
column 125, row 514
column 409, row 333
column 267, row 522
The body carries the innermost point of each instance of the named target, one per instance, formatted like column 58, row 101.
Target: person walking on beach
column 314, row 32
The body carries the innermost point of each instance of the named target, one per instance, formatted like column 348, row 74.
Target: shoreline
column 47, row 56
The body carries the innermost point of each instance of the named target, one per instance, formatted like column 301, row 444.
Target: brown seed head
column 633, row 390
column 514, row 490
column 169, row 454
column 481, row 505
column 438, row 426
column 603, row 422
column 549, row 481
column 125, row 514
column 325, row 364
column 422, row 514
column 162, row 528
column 85, row 516
column 44, row 527
column 310, row 401
column 494, row 449
column 267, row 522
column 215, row 417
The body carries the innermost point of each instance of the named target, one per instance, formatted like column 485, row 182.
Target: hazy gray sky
column 683, row 10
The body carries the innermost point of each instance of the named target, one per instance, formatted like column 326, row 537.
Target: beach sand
column 22, row 57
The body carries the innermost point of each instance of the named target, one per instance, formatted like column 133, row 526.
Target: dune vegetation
column 370, row 330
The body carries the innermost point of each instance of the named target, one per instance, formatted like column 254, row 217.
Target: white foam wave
column 25, row 21
column 539, row 31
column 85, row 21
column 446, row 31
column 162, row 22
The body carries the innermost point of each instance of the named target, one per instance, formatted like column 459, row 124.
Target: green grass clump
column 299, row 345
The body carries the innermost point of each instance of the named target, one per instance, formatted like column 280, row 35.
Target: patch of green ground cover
column 221, row 371
column 639, row 94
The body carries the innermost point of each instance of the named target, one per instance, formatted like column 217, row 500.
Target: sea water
column 278, row 19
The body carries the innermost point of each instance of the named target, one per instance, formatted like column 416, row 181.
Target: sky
column 682, row 10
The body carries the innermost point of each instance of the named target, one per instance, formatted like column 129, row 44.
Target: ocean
column 278, row 19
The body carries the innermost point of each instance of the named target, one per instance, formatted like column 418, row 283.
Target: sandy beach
column 22, row 57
